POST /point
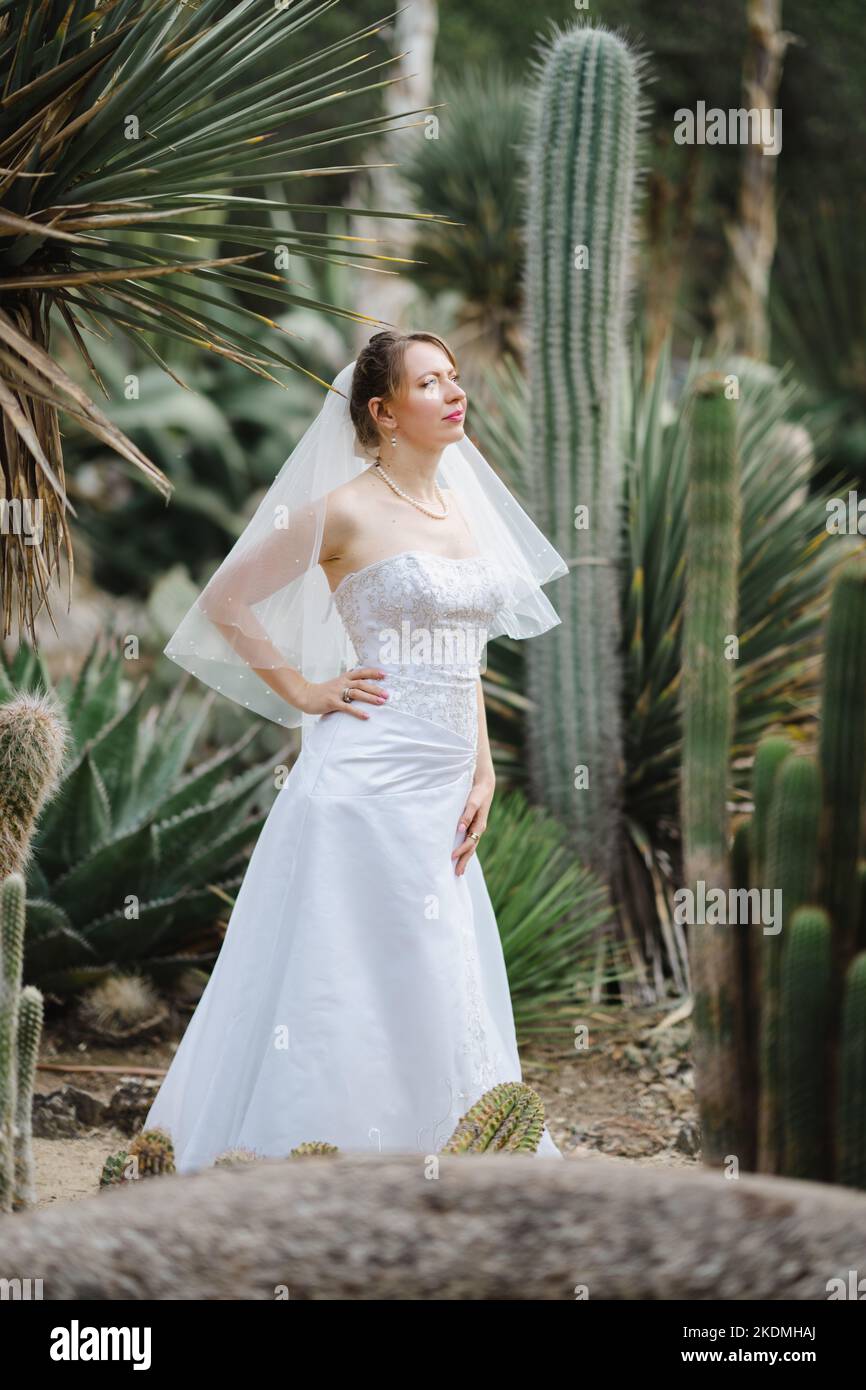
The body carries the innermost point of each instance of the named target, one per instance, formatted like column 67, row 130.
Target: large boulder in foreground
column 499, row 1226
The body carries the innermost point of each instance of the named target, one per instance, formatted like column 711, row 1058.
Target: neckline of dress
column 429, row 554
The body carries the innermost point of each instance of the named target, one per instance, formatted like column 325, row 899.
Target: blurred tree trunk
column 385, row 296
column 670, row 223
column 740, row 308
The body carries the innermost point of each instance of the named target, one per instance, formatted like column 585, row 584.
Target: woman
column 360, row 995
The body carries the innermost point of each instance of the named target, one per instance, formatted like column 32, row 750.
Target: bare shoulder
column 344, row 506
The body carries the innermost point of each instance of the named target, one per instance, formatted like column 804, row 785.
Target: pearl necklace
column 415, row 503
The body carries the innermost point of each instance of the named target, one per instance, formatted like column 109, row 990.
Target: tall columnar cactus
column 580, row 187
column 790, row 867
column 843, row 760
column 851, row 1097
column 20, row 1031
column 804, row 1016
column 769, row 756
column 709, row 626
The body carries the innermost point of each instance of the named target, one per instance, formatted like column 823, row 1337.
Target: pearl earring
column 393, row 441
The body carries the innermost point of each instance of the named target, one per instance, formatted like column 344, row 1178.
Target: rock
column 688, row 1140
column 492, row 1227
column 129, row 1104
column 54, row 1115
column 89, row 1110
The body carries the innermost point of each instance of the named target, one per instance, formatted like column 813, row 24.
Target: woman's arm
column 248, row 579
column 484, row 763
column 476, row 810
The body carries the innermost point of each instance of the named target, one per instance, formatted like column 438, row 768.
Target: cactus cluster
column 150, row 1155
column 806, row 839
column 509, row 1119
column 779, row 1015
column 312, row 1148
column 788, row 1058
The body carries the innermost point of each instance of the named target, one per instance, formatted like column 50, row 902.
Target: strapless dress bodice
column 423, row 619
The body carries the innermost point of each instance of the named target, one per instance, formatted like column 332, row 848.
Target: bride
column 360, row 995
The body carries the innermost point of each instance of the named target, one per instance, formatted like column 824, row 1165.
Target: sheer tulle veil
column 269, row 605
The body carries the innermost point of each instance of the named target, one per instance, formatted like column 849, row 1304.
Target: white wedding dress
column 360, row 995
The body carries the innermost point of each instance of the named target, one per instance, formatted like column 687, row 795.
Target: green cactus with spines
column 33, row 741
column 790, row 866
column 842, row 755
column 581, row 174
column 508, row 1118
column 770, row 753
column 803, row 1021
column 748, row 980
column 851, row 1104
column 153, row 1153
column 20, row 1033
column 707, row 692
column 842, row 735
column 239, row 1155
column 30, row 1018
column 115, row 1169
column 11, row 932
column 313, row 1148
column 812, row 1086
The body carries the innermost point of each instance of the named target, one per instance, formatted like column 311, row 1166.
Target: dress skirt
column 360, row 994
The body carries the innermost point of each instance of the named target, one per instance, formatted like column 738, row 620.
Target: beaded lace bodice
column 423, row 620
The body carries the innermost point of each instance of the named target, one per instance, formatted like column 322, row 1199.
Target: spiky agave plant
column 133, row 852
column 116, row 119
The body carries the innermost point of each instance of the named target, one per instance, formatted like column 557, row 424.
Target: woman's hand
column 326, row 697
column 474, row 817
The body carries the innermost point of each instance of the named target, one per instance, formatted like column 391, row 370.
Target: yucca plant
column 818, row 315
column 125, row 117
column 549, row 909
column 134, row 855
column 783, row 582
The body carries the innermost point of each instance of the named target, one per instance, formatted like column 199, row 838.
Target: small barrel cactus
column 153, row 1153
column 510, row 1117
column 233, row 1156
column 116, row 1169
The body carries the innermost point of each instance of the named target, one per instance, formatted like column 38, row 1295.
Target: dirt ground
column 628, row 1096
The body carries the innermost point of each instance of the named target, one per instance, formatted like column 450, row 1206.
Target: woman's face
column 431, row 407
